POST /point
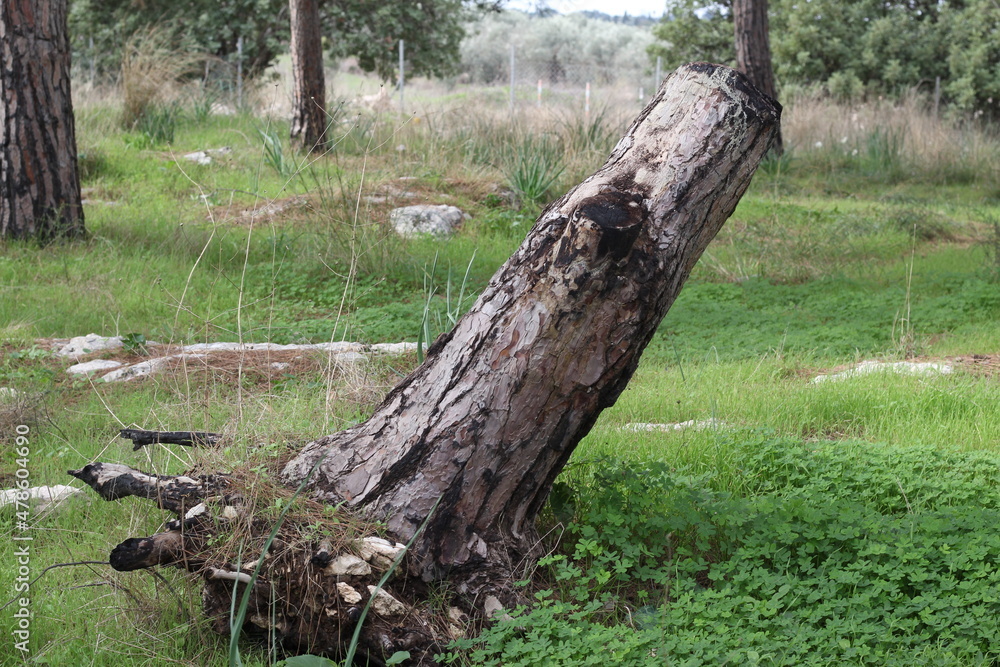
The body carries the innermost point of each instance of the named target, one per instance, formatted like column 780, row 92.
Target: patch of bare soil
column 264, row 212
column 980, row 364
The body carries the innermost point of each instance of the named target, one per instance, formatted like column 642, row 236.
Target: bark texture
column 141, row 438
column 753, row 51
column 175, row 493
column 494, row 413
column 39, row 181
column 309, row 87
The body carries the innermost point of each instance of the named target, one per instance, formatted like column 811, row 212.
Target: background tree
column 309, row 119
column 579, row 47
column 209, row 26
column 695, row 30
column 39, row 181
column 753, row 50
column 856, row 48
column 433, row 29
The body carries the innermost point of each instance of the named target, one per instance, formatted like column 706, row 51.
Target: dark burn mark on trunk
column 619, row 215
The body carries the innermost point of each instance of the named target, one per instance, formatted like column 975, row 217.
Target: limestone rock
column 384, row 604
column 440, row 220
column 899, row 367
column 348, row 594
column 492, row 606
column 348, row 564
column 695, row 424
column 380, row 553
column 394, row 348
column 81, row 345
column 135, row 371
column 95, row 366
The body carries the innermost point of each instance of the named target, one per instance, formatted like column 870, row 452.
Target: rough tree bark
column 468, row 445
column 39, row 181
column 309, row 87
column 753, row 51
column 491, row 417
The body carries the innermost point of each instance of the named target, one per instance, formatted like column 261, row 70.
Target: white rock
column 279, row 365
column 335, row 348
column 492, row 606
column 381, row 546
column 438, row 220
column 380, row 553
column 384, row 604
column 349, row 595
column 135, row 371
column 198, row 157
column 82, row 345
column 94, row 366
column 679, row 426
column 394, row 348
column 41, row 497
column 350, row 358
column 8, row 393
column 899, row 367
column 144, row 368
column 348, row 564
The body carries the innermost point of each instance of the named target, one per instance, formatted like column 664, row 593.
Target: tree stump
column 460, row 457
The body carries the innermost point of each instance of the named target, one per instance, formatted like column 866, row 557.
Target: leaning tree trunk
column 39, row 182
column 487, row 422
column 309, row 87
column 468, row 445
column 753, row 51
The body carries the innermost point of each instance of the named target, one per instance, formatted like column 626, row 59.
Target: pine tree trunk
column 468, row 445
column 39, row 181
column 753, row 51
column 309, row 87
column 487, row 422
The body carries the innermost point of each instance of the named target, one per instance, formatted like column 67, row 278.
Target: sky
column 612, row 7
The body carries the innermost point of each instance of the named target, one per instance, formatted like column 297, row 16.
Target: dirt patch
column 979, row 364
column 263, row 212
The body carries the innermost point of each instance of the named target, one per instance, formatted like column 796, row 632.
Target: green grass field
column 833, row 523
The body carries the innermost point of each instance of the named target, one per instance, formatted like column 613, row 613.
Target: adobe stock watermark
column 21, row 634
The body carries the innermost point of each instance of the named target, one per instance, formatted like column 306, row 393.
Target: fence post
column 402, row 78
column 93, row 66
column 937, row 95
column 586, row 103
column 239, row 72
column 512, row 77
column 659, row 69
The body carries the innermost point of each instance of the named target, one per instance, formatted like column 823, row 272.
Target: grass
column 824, row 256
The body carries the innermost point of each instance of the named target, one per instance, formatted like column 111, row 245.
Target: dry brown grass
column 151, row 72
column 929, row 143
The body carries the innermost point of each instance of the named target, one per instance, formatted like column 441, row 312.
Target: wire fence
column 516, row 81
